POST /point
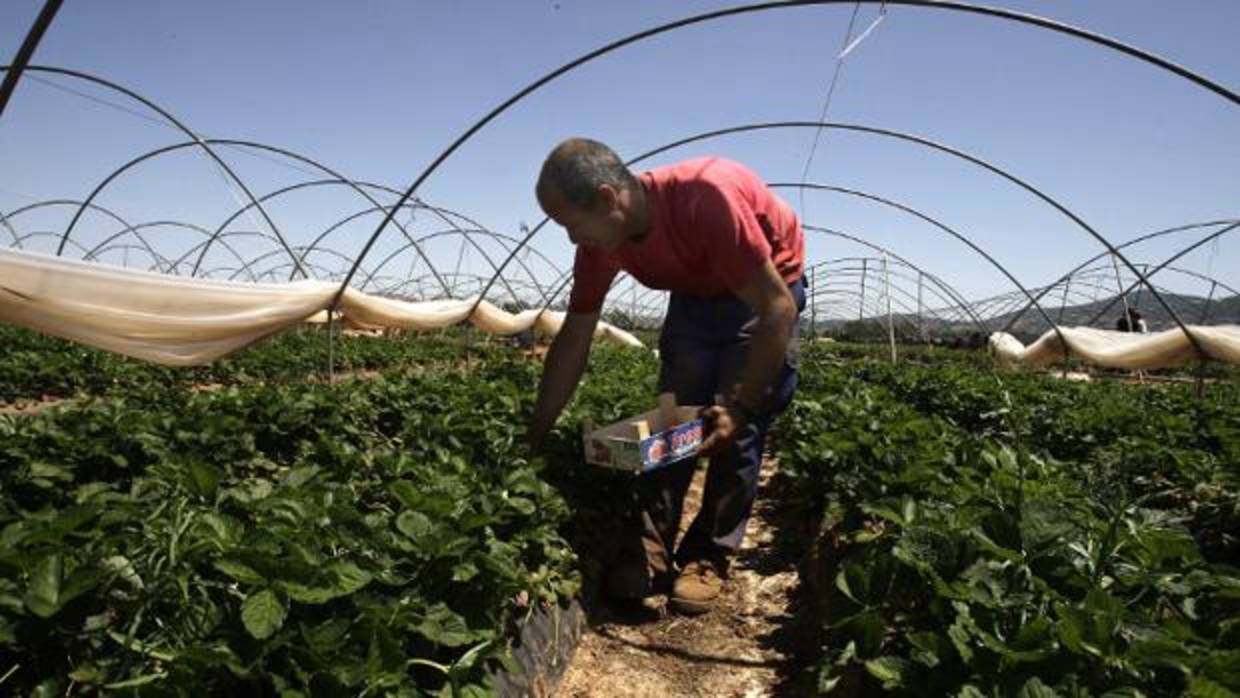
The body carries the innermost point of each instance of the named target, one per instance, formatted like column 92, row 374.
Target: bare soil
column 742, row 647
column 30, row 407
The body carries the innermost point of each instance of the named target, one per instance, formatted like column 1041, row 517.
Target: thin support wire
column 826, row 103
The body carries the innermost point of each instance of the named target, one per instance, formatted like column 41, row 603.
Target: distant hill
column 1191, row 309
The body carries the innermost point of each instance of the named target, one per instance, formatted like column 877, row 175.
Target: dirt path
column 740, row 648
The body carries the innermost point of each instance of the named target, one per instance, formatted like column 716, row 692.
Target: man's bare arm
column 771, row 301
column 562, row 369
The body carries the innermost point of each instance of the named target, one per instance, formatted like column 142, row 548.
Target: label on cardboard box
column 619, row 445
column 671, row 445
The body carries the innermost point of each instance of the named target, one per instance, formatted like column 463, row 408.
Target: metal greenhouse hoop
column 937, row 4
column 164, row 113
column 1100, row 255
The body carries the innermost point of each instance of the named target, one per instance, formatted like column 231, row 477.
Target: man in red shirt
column 732, row 254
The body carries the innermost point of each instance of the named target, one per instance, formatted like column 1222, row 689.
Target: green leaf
column 326, row 637
column 300, row 476
column 239, row 571
column 929, row 648
column 8, row 632
column 123, row 568
column 340, row 578
column 50, row 471
column 867, row 631
column 444, row 626
column 406, row 493
column 909, row 509
column 43, row 595
column 204, row 478
column 1223, row 665
column 889, row 670
column 854, row 582
column 959, row 635
column 1034, row 688
column 1201, row 687
column 263, row 614
column 414, row 524
column 464, row 571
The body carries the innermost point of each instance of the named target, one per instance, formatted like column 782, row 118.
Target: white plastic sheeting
column 1123, row 350
column 180, row 321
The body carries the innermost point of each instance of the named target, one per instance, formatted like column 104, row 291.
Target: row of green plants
column 986, row 534
column 384, row 535
column 35, row 366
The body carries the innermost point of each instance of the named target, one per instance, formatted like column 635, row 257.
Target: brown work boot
column 696, row 588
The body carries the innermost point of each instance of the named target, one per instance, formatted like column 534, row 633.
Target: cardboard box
column 623, row 445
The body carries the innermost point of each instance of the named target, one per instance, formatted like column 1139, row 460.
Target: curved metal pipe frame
column 891, row 204
column 1100, row 255
column 26, row 50
column 175, row 122
column 937, row 311
column 913, row 139
column 869, row 265
column 1104, row 277
column 44, row 233
column 276, row 274
column 184, row 258
column 160, row 261
column 4, row 220
column 322, row 250
column 499, row 238
column 1032, row 20
column 359, row 186
column 842, row 280
column 875, row 314
column 171, row 269
column 78, row 204
column 1163, row 265
column 352, row 217
column 848, row 272
column 934, row 278
column 255, row 203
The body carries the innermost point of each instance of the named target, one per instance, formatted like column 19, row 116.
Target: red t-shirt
column 713, row 225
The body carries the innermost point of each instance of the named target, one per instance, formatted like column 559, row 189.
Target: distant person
column 1131, row 321
column 732, row 253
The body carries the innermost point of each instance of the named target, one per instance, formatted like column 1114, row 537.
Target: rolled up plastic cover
column 1122, row 350
column 182, row 321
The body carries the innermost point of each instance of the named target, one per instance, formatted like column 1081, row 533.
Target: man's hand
column 535, row 436
column 725, row 424
column 562, row 369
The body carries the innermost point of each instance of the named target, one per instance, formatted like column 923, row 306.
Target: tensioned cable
column 160, row 122
column 826, row 103
column 219, row 171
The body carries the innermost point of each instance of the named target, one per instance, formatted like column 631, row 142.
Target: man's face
column 600, row 227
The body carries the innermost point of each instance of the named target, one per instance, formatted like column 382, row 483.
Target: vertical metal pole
column 331, row 348
column 1067, row 284
column 921, row 324
column 813, row 303
column 1145, row 271
column 1205, row 308
column 891, row 328
column 861, row 305
column 1122, row 296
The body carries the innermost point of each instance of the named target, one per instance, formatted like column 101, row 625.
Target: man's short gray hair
column 579, row 165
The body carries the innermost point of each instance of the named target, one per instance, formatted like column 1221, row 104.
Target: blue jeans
column 703, row 349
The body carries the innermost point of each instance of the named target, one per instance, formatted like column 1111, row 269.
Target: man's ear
column 608, row 197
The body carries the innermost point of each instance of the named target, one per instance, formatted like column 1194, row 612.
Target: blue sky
column 376, row 90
